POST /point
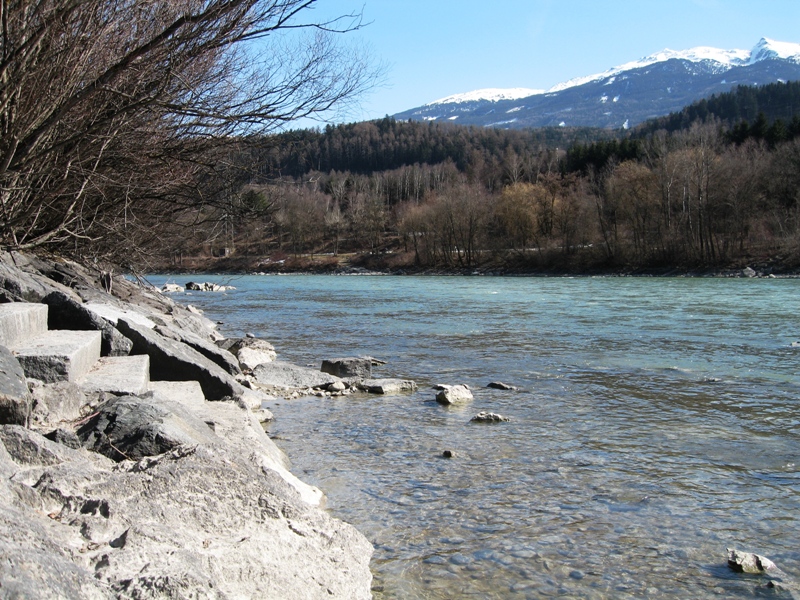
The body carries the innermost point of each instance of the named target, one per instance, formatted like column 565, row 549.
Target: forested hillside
column 714, row 191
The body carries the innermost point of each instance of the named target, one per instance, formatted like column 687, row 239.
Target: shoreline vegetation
column 388, row 264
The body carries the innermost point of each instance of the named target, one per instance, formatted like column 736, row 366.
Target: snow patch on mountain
column 719, row 60
column 488, row 94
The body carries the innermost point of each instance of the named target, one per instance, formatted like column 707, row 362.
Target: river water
column 656, row 424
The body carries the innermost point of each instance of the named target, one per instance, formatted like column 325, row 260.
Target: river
column 656, row 424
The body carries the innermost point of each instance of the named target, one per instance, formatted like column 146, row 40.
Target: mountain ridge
column 622, row 96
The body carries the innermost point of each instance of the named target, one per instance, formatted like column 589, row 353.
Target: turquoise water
column 656, row 424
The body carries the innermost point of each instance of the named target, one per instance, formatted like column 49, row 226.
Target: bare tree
column 108, row 106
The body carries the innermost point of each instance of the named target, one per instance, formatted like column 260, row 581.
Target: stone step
column 20, row 321
column 187, row 393
column 119, row 375
column 58, row 355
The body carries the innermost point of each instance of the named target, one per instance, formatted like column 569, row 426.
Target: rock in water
column 499, row 385
column 348, row 367
column 488, row 417
column 454, row 394
column 747, row 562
column 285, row 375
column 387, row 387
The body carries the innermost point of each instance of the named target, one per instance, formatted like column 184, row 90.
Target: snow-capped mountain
column 623, row 96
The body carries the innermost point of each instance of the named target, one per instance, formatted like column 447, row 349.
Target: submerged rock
column 499, row 385
column 387, row 387
column 488, row 417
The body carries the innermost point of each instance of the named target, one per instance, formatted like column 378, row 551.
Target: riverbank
column 133, row 460
column 399, row 264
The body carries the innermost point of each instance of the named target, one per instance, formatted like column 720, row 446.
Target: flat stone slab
column 183, row 392
column 288, row 376
column 119, row 375
column 20, row 321
column 59, row 355
column 113, row 314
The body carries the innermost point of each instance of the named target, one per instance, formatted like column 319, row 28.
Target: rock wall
column 154, row 495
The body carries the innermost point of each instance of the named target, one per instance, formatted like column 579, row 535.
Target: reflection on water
column 656, row 424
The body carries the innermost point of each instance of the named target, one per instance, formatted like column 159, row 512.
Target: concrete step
column 187, row 393
column 58, row 355
column 118, row 375
column 20, row 321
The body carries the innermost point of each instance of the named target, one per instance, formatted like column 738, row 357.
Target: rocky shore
column 133, row 460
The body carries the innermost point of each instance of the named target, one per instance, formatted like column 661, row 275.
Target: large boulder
column 286, row 376
column 133, row 428
column 348, row 367
column 15, row 400
column 171, row 360
column 65, row 312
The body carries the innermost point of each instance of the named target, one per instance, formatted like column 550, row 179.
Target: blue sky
column 435, row 48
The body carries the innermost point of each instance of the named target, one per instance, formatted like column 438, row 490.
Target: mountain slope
column 623, row 96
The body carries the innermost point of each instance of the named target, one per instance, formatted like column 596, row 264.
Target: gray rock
column 15, row 401
column 251, row 352
column 65, row 437
column 499, row 385
column 36, row 561
column 748, row 272
column 196, row 522
column 133, row 428
column 207, row 286
column 747, row 562
column 172, row 288
column 67, row 313
column 488, row 417
column 387, row 387
column 210, row 350
column 20, row 281
column 348, row 367
column 285, row 375
column 54, row 403
column 337, row 386
column 59, row 355
column 454, row 394
column 27, row 448
column 174, row 361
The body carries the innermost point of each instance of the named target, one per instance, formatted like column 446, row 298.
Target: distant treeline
column 387, row 144
column 702, row 188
